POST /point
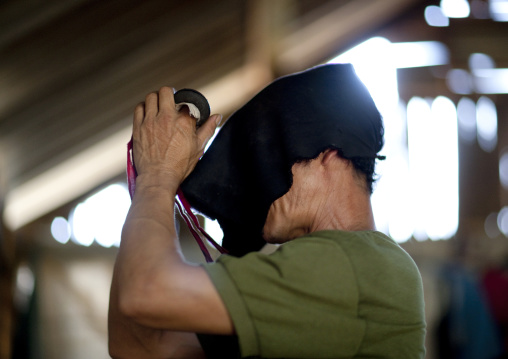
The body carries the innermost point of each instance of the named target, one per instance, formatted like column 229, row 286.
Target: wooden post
column 6, row 288
column 7, row 260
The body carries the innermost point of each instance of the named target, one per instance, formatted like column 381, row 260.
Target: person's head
column 328, row 192
column 295, row 118
column 365, row 171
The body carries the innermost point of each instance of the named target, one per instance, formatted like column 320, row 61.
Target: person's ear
column 328, row 155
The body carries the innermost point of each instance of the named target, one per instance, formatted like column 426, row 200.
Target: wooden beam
column 266, row 25
column 333, row 26
column 106, row 159
column 19, row 18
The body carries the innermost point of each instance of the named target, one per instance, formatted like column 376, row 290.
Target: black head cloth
column 248, row 165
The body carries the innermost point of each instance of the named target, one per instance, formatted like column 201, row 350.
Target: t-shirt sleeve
column 297, row 302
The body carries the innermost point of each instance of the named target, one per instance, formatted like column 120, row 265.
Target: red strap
column 131, row 170
column 183, row 207
column 195, row 234
column 194, row 219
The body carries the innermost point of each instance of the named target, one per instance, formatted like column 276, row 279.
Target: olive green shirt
column 329, row 294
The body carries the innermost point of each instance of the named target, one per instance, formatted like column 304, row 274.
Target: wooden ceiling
column 72, row 71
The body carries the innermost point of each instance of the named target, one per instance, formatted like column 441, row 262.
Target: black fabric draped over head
column 296, row 117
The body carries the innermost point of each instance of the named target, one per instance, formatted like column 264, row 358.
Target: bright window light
column 503, row 168
column 455, row 8
column 487, row 79
column 418, row 113
column 433, row 166
column 61, row 230
column 466, row 116
column 101, row 217
column 380, row 75
column 502, row 220
column 479, row 61
column 486, row 123
column 82, row 229
column 401, row 221
column 459, row 81
column 499, row 10
column 214, row 230
column 419, row 53
column 483, row 79
column 491, row 81
column 443, row 175
column 434, row 16
column 409, row 191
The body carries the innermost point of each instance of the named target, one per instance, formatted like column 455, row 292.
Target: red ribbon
column 183, row 207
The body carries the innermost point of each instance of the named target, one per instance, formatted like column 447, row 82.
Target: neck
column 353, row 214
column 344, row 207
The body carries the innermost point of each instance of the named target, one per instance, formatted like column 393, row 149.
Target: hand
column 167, row 145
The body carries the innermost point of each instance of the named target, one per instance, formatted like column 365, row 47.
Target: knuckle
column 151, row 97
column 166, row 88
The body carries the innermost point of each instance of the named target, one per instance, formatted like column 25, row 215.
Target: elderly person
column 294, row 166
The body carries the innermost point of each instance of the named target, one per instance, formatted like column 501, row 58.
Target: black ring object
column 197, row 99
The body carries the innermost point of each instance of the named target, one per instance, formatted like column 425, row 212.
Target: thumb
column 207, row 130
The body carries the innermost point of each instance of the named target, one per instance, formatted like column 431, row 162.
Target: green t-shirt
column 329, row 294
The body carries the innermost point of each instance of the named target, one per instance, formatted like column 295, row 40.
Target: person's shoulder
column 332, row 243
column 345, row 238
column 360, row 245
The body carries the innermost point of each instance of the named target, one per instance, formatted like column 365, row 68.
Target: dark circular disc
column 197, row 99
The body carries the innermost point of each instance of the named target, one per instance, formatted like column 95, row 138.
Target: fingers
column 151, row 105
column 161, row 101
column 166, row 99
column 166, row 140
column 139, row 114
column 207, row 130
column 154, row 103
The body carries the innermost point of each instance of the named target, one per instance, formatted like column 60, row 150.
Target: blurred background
column 71, row 73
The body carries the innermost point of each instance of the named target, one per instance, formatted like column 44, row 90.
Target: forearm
column 149, row 261
column 149, row 238
column 148, row 254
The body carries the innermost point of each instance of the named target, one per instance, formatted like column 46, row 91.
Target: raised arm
column 154, row 292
